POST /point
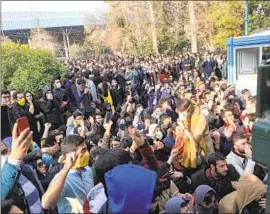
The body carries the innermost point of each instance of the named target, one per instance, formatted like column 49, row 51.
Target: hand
column 21, row 143
column 91, row 120
column 262, row 203
column 159, row 145
column 140, row 110
column 246, row 121
column 228, row 132
column 70, row 160
column 86, row 90
column 174, row 153
column 48, row 126
column 235, row 184
column 248, row 151
column 216, row 136
column 50, row 97
column 177, row 174
column 50, row 150
column 107, row 125
column 136, row 136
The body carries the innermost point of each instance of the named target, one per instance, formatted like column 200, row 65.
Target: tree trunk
column 193, row 27
column 154, row 35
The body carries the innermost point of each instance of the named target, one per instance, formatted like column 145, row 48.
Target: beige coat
column 249, row 189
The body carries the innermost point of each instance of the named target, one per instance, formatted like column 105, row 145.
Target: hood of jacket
column 173, row 205
column 130, row 188
column 45, row 90
column 200, row 193
column 250, row 187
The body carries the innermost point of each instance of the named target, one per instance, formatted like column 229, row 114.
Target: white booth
column 244, row 54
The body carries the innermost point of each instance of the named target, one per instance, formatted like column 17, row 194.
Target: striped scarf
column 31, row 194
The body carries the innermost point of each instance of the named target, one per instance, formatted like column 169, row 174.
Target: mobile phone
column 22, row 124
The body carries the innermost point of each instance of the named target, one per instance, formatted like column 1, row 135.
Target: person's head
column 176, row 205
column 41, row 167
column 108, row 160
column 57, row 83
column 163, row 102
column 201, row 87
column 155, row 132
column 217, row 164
column 78, row 117
column 239, row 142
column 76, row 144
column 114, row 83
column 227, row 116
column 81, row 84
column 5, row 97
column 166, row 121
column 55, row 137
column 19, row 98
column 205, row 199
column 245, row 94
column 99, row 119
column 28, row 96
column 196, row 74
column 184, row 108
column 216, row 87
column 147, row 121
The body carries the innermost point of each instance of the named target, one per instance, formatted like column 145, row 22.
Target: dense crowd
column 132, row 134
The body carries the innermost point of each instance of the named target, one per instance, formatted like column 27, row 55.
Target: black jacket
column 51, row 110
column 223, row 188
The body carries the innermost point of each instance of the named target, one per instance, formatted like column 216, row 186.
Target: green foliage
column 79, row 51
column 259, row 15
column 27, row 69
column 228, row 19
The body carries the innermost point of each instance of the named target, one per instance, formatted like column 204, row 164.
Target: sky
column 52, row 5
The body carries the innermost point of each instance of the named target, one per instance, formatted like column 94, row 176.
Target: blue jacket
column 9, row 175
column 130, row 188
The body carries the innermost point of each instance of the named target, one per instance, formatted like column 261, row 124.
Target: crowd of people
column 132, row 134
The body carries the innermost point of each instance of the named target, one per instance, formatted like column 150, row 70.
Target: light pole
column 246, row 17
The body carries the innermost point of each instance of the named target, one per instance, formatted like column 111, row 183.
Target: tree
column 28, row 69
column 228, row 20
column 259, row 15
column 41, row 38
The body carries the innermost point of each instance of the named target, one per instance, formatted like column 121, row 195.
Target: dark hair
column 208, row 197
column 214, row 157
column 163, row 100
column 16, row 93
column 244, row 91
column 238, row 136
column 52, row 135
column 77, row 113
column 71, row 143
column 5, row 91
column 81, row 81
column 110, row 159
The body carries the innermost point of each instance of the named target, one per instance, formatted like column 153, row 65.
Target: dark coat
column 51, row 110
column 224, row 187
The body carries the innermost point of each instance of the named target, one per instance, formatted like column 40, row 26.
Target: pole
column 246, row 17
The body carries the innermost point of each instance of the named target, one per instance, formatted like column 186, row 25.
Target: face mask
column 21, row 101
column 78, row 122
column 159, row 135
column 82, row 161
column 58, row 85
column 3, row 160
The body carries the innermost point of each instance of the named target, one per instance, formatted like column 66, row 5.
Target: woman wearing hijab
column 205, row 200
